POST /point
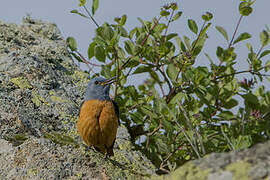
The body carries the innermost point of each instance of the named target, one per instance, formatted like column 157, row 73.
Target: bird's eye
column 96, row 82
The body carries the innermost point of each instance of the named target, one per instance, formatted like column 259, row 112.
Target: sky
column 225, row 14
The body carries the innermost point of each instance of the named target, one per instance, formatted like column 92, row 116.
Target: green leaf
column 154, row 75
column 205, row 29
column 187, row 42
column 95, row 6
column 207, row 16
column 245, row 9
column 242, row 142
column 120, row 53
column 219, row 52
column 100, row 53
column 242, row 37
column 174, row 6
column 264, row 37
column 123, row 20
column 133, row 62
column 123, row 31
column 193, row 26
column 91, row 50
column 264, row 53
column 249, row 46
column 142, row 69
column 197, row 50
column 105, row 71
column 223, row 32
column 170, row 36
column 71, row 42
column 177, row 16
column 76, row 57
column 209, row 58
column 77, row 12
column 172, row 72
column 82, row 2
column 180, row 44
column 227, row 115
column 230, row 104
column 141, row 38
column 251, row 99
column 164, row 13
column 107, row 32
column 267, row 66
column 129, row 47
column 132, row 32
column 142, row 22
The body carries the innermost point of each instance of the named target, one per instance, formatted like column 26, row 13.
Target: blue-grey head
column 98, row 88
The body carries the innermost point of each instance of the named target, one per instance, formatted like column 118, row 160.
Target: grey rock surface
column 41, row 89
column 252, row 163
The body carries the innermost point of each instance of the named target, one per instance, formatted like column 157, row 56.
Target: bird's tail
column 110, row 151
column 107, row 151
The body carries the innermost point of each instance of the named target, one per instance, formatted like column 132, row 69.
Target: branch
column 170, row 20
column 153, row 27
column 246, row 71
column 86, row 61
column 165, row 78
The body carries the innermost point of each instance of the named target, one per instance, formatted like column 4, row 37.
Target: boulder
column 41, row 89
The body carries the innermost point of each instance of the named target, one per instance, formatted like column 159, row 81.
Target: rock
column 253, row 163
column 41, row 90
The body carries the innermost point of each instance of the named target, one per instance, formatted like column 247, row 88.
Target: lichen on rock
column 41, row 89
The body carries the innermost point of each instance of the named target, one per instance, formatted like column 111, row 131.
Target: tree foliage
column 182, row 111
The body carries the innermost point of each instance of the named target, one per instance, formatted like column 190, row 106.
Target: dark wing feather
column 116, row 108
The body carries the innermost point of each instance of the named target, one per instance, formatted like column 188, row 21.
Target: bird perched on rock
column 99, row 116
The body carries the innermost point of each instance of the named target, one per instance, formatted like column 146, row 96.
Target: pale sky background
column 225, row 14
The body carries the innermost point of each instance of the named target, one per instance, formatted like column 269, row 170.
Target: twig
column 201, row 142
column 260, row 50
column 153, row 27
column 152, row 133
column 170, row 20
column 246, row 71
column 161, row 89
column 86, row 61
column 227, row 138
column 117, row 73
column 237, row 26
column 165, row 77
column 187, row 137
column 90, row 16
column 198, row 36
column 189, row 124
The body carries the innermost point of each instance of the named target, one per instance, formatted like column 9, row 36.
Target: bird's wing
column 108, row 123
column 117, row 111
column 88, row 123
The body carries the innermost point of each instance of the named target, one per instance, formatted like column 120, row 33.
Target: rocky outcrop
column 253, row 163
column 41, row 89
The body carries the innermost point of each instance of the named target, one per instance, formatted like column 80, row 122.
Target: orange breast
column 98, row 123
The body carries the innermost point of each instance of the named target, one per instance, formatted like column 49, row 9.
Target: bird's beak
column 108, row 81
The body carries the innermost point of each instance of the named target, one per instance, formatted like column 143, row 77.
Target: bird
column 99, row 116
